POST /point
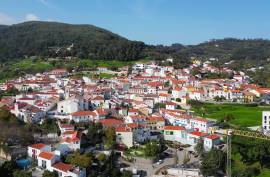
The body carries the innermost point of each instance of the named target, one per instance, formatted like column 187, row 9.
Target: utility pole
column 229, row 153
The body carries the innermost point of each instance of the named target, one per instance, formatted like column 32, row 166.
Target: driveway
column 174, row 158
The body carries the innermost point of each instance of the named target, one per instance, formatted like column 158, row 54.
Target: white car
column 159, row 162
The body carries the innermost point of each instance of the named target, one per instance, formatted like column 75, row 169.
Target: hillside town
column 142, row 104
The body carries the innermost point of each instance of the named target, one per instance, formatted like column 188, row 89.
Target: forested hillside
column 51, row 39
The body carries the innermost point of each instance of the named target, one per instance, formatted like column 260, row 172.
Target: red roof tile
column 37, row 146
column 200, row 134
column 84, row 113
column 111, row 122
column 213, row 136
column 62, row 166
column 171, row 127
column 123, row 129
column 46, row 155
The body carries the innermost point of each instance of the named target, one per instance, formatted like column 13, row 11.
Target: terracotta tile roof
column 164, row 95
column 67, row 126
column 123, row 129
column 84, row 113
column 171, row 127
column 171, row 103
column 132, row 125
column 98, row 98
column 133, row 110
column 37, row 146
column 111, row 122
column 101, row 111
column 156, row 119
column 62, row 166
column 197, row 133
column 59, row 70
column 46, row 155
column 213, row 136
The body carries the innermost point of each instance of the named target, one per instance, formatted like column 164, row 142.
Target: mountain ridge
column 55, row 39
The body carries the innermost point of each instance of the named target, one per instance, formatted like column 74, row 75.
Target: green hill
column 51, row 39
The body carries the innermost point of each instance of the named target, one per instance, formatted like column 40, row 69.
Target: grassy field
column 19, row 67
column 264, row 173
column 244, row 115
column 29, row 65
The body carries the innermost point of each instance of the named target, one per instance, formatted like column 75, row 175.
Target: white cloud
column 31, row 17
column 5, row 19
column 47, row 4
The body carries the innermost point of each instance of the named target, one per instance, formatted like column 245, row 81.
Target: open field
column 244, row 115
column 20, row 67
column 264, row 173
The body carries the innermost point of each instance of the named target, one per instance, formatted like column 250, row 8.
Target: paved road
column 152, row 169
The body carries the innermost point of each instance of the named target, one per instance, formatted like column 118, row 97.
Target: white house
column 194, row 137
column 68, row 170
column 47, row 159
column 66, row 127
column 34, row 150
column 175, row 133
column 200, row 124
column 71, row 105
column 83, row 116
column 124, row 135
column 73, row 141
column 266, row 121
column 211, row 141
column 171, row 105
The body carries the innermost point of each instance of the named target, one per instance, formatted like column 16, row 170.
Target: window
column 43, row 164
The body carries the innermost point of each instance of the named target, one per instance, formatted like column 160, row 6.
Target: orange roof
column 111, row 122
column 46, row 155
column 163, row 94
column 66, row 126
column 177, row 89
column 133, row 110
column 37, row 146
column 62, row 166
column 156, row 118
column 84, row 113
column 213, row 136
column 59, row 70
column 171, row 127
column 101, row 111
column 197, row 133
column 123, row 129
column 171, row 103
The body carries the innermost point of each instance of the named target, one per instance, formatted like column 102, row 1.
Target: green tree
column 228, row 117
column 47, row 173
column 101, row 157
column 7, row 169
column 152, row 149
column 213, row 162
column 94, row 134
column 126, row 173
column 82, row 160
column 109, row 137
column 199, row 148
column 21, row 173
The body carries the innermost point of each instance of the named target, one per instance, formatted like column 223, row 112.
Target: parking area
column 170, row 157
column 37, row 172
